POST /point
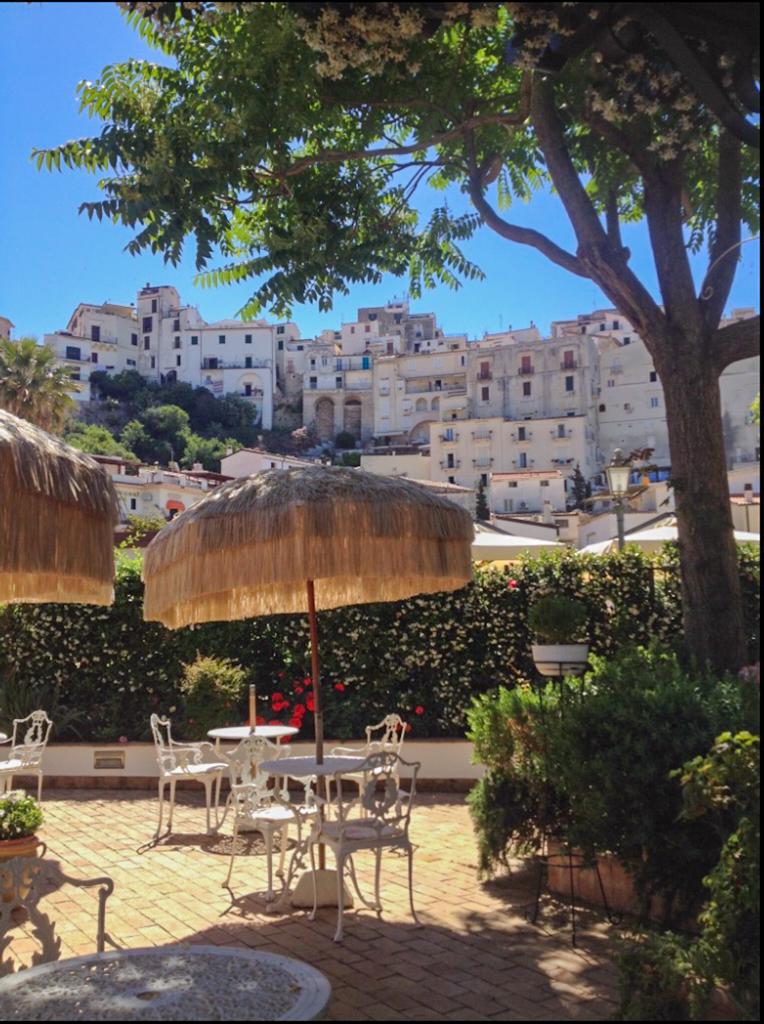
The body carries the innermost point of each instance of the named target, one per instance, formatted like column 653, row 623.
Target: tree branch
column 606, row 265
column 612, row 220
column 724, row 252
column 741, row 340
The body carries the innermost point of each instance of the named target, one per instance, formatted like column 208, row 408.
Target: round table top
column 301, row 767
column 167, row 983
column 242, row 732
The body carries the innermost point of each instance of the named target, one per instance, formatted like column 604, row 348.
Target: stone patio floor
column 474, row 957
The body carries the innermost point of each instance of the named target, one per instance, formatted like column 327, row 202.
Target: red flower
column 280, row 705
column 408, row 727
column 512, row 584
column 298, row 710
column 339, row 687
column 276, row 697
column 296, row 723
column 310, row 702
column 307, row 681
column 299, row 689
column 419, row 710
column 259, row 720
column 275, row 721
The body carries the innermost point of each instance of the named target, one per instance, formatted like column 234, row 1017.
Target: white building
column 164, row 340
column 247, row 461
column 6, row 326
column 149, row 492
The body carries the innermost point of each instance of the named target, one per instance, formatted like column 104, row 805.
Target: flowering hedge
column 425, row 657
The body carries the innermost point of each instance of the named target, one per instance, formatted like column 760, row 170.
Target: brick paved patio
column 474, row 958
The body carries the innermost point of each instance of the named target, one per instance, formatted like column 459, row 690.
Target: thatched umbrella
column 58, row 509
column 296, row 540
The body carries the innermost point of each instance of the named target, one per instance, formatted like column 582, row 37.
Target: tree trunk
column 711, row 595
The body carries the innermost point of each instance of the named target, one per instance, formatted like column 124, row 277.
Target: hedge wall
column 425, row 657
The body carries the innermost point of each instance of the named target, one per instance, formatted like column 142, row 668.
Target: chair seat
column 359, row 830
column 15, row 765
column 195, row 769
column 276, row 814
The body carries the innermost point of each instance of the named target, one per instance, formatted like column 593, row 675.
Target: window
column 300, row 348
column 570, row 383
column 367, row 329
column 133, row 504
column 512, row 483
column 438, row 385
column 247, row 339
column 95, row 333
column 177, row 360
column 450, row 460
column 221, row 339
column 526, row 389
column 146, row 343
column 627, row 339
column 390, row 348
column 93, row 357
column 654, row 403
column 616, row 325
column 417, row 347
column 452, row 479
column 176, row 342
column 521, row 434
column 281, row 346
column 148, row 324
column 561, row 431
column 338, row 383
column 397, row 317
column 75, row 375
column 484, row 479
column 603, row 327
column 153, row 363
column 352, row 330
column 569, row 360
column 611, row 383
column 653, row 377
column 134, row 339
column 280, row 329
column 131, row 362
column 372, row 316
column 544, row 483
column 314, row 383
column 525, row 365
column 522, row 460
column 603, row 408
column 485, row 394
column 248, row 390
column 176, row 325
column 72, row 352
column 153, row 305
column 247, row 362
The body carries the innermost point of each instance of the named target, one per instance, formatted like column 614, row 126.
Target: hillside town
column 514, row 414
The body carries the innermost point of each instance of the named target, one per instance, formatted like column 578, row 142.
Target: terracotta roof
column 530, row 474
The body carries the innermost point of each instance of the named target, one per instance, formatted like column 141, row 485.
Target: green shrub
column 20, row 815
column 213, row 689
column 556, row 619
column 345, row 439
column 592, row 759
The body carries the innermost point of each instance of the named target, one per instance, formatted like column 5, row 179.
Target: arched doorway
column 325, row 419
column 420, row 434
column 352, row 417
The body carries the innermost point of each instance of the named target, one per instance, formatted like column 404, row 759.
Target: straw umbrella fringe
column 58, row 509
column 304, row 540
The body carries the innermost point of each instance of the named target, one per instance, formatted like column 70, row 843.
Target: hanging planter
column 558, row 622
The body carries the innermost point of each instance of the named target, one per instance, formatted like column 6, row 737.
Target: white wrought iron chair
column 184, row 761
column 386, row 737
column 384, row 825
column 258, row 806
column 30, row 737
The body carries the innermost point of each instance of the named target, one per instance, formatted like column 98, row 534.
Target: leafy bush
column 213, row 689
column 557, row 620
column 425, row 657
column 592, row 759
column 20, row 815
column 345, row 439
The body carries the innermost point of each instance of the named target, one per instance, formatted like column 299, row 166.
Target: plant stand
column 575, row 861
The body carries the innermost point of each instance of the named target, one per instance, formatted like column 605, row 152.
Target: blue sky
column 51, row 258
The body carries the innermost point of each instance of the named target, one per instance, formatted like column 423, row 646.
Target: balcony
column 529, row 463
column 522, row 439
column 218, row 364
column 426, row 387
column 482, row 463
column 526, row 371
column 449, row 437
column 569, row 364
column 482, row 435
column 565, row 435
column 358, row 385
column 562, row 462
column 485, row 375
column 454, row 464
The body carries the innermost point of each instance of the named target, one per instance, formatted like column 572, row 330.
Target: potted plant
column 20, row 817
column 558, row 621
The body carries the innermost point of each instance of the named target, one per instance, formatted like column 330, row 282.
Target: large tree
column 295, row 136
column 32, row 385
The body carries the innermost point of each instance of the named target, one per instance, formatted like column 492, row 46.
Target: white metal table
column 234, row 733
column 167, row 983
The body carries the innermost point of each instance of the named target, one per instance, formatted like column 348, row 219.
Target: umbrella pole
column 318, row 714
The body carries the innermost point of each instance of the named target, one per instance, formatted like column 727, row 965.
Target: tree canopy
column 32, row 386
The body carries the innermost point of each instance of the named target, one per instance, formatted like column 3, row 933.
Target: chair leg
column 233, row 852
column 340, row 898
column 312, row 915
column 161, row 805
column 411, row 883
column 268, row 837
column 282, row 857
column 208, row 800
column 218, row 784
column 39, row 786
column 377, row 873
column 172, row 804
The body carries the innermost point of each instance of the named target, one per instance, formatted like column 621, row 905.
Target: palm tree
column 32, row 386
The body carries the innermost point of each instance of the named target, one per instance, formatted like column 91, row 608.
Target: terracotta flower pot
column 27, row 846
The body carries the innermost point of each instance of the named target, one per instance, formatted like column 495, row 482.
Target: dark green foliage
column 603, row 743
column 433, row 652
column 350, row 459
column 345, row 439
column 556, row 619
column 580, row 490
column 482, row 511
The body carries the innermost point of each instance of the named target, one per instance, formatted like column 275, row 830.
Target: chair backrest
column 245, row 759
column 161, row 730
column 386, row 736
column 384, row 802
column 30, row 736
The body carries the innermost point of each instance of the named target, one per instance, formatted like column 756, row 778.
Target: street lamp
column 618, row 474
